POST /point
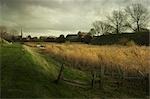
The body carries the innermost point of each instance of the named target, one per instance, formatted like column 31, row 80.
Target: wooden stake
column 93, row 79
column 102, row 76
column 147, row 84
column 60, row 74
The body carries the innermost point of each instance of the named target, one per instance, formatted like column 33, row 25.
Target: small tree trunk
column 138, row 28
column 117, row 29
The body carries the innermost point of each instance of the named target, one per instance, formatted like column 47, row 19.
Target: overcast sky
column 58, row 16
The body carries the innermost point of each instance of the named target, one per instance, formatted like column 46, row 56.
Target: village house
column 51, row 39
column 72, row 37
column 43, row 38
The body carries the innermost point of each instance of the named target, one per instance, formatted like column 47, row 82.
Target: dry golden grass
column 92, row 57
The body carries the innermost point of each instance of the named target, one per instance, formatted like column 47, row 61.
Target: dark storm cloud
column 58, row 14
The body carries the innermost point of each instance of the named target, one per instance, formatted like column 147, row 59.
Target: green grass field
column 28, row 73
column 23, row 76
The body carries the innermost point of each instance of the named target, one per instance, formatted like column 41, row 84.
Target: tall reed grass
column 88, row 57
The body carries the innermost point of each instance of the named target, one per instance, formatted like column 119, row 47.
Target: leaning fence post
column 60, row 73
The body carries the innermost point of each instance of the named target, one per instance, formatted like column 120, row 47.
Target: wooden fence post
column 93, row 79
column 123, row 77
column 60, row 74
column 102, row 77
column 147, row 85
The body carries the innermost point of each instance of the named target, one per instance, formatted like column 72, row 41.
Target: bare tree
column 3, row 31
column 92, row 32
column 138, row 17
column 102, row 27
column 117, row 21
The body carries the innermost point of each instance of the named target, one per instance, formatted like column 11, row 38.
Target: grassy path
column 27, row 74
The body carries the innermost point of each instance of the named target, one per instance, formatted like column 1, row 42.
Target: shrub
column 130, row 43
column 87, row 39
column 61, row 39
column 123, row 41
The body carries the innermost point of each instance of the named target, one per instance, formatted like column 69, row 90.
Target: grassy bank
column 25, row 73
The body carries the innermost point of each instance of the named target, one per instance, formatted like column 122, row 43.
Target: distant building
column 28, row 38
column 51, row 39
column 72, row 37
column 34, row 39
column 24, row 39
column 16, row 38
column 43, row 38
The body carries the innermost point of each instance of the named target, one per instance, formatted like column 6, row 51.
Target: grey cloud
column 58, row 14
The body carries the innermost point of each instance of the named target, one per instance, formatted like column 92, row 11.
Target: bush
column 126, row 42
column 130, row 43
column 123, row 41
column 61, row 39
column 87, row 39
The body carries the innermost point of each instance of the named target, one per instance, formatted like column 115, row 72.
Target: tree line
column 134, row 17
